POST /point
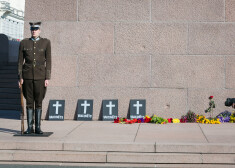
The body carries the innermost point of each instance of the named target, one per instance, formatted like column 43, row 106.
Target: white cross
column 137, row 105
column 57, row 105
column 85, row 106
column 110, row 106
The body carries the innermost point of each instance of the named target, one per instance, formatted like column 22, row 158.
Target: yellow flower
column 175, row 120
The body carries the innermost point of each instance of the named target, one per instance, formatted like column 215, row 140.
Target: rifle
column 22, row 113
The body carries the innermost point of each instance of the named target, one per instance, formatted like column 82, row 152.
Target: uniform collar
column 38, row 38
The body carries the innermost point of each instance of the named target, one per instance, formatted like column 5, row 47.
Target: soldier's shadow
column 9, row 131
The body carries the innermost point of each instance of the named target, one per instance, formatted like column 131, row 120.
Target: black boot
column 29, row 122
column 38, row 114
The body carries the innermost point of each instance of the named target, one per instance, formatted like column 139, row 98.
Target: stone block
column 198, row 100
column 6, row 155
column 58, row 156
column 103, row 132
column 230, row 10
column 230, row 72
column 211, row 38
column 188, row 71
column 71, row 38
column 34, row 145
column 195, row 148
column 162, row 102
column 114, row 10
column 6, row 145
column 64, row 71
column 52, row 10
column 220, row 133
column 170, row 133
column 114, row 71
column 218, row 158
column 153, row 158
column 188, row 10
column 107, row 147
column 158, row 38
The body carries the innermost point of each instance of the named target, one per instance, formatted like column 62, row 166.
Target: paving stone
column 6, row 155
column 114, row 10
column 161, row 38
column 195, row 148
column 113, row 147
column 52, row 10
column 153, row 158
column 219, row 158
column 79, row 37
column 230, row 10
column 188, row 10
column 188, row 71
column 55, row 156
column 114, row 71
column 230, row 71
column 211, row 38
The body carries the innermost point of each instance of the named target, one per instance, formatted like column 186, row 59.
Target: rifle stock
column 22, row 112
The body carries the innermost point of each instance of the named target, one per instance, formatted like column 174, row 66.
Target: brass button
column 33, row 53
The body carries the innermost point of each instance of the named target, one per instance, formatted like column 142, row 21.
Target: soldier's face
column 35, row 33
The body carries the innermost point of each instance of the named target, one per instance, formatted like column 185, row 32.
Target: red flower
column 116, row 120
column 169, row 120
column 147, row 120
column 182, row 120
column 211, row 97
column 134, row 120
column 139, row 120
column 124, row 119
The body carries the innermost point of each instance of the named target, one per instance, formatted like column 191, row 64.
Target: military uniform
column 34, row 67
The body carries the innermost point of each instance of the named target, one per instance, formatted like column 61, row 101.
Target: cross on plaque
column 56, row 110
column 137, row 108
column 57, row 105
column 138, row 105
column 85, row 105
column 110, row 106
column 84, row 109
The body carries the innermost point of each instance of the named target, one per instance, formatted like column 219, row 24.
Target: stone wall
column 173, row 53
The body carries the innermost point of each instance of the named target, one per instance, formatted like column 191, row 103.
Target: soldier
column 34, row 70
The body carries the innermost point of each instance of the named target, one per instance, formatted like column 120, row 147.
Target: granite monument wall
column 173, row 53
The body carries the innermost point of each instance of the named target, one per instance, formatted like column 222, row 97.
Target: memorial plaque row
column 84, row 111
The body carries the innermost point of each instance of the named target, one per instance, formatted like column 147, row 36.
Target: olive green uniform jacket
column 34, row 60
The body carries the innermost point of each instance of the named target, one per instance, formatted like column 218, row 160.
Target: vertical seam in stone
column 77, row 11
column 150, row 11
column 203, row 133
column 225, row 58
column 151, row 71
column 137, row 132
column 187, row 106
column 224, row 10
column 114, row 38
column 188, row 39
column 77, row 73
column 155, row 147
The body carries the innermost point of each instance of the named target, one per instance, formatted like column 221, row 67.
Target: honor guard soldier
column 34, row 71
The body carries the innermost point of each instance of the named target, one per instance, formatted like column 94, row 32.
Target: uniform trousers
column 34, row 92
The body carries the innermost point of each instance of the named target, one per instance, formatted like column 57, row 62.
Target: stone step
column 10, row 107
column 115, row 157
column 9, row 81
column 10, row 90
column 9, row 85
column 8, row 67
column 8, row 76
column 8, row 71
column 204, row 148
column 10, row 96
column 10, row 101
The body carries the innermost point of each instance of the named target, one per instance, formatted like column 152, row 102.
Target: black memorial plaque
column 56, row 110
column 84, row 110
column 137, row 109
column 110, row 110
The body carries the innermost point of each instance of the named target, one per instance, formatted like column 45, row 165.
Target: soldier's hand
column 233, row 105
column 21, row 82
column 46, row 83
